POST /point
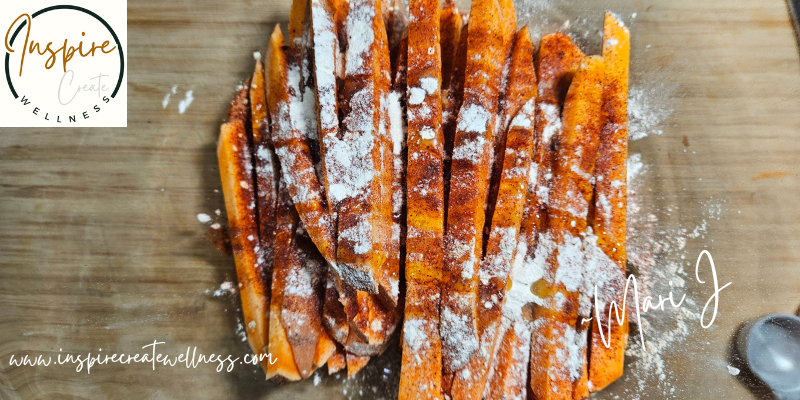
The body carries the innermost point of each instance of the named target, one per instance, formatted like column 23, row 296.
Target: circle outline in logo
column 75, row 8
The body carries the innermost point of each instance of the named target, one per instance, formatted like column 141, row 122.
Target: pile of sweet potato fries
column 431, row 171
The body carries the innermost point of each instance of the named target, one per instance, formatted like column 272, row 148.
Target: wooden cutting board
column 101, row 248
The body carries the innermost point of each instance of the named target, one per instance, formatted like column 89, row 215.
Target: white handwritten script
column 647, row 303
column 191, row 359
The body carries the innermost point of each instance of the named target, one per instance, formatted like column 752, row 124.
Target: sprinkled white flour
column 186, row 102
column 165, row 102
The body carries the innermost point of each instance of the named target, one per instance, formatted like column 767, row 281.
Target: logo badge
column 64, row 65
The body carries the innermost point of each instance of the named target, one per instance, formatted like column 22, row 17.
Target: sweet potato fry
column 289, row 136
column 298, row 295
column 609, row 224
column 452, row 98
column 560, row 248
column 450, row 23
column 391, row 187
column 236, row 173
column 468, row 189
column 494, row 268
column 520, row 85
column 509, row 375
column 325, row 58
column 266, row 171
column 557, row 61
column 356, row 159
column 421, row 367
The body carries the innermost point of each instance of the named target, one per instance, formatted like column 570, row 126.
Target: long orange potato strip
column 500, row 126
column 290, row 137
column 470, row 382
column 236, row 173
column 468, row 188
column 511, row 189
column 355, row 160
column 298, row 287
column 554, row 342
column 557, row 60
column 606, row 362
column 452, row 98
column 450, row 23
column 266, row 170
column 420, row 376
column 508, row 358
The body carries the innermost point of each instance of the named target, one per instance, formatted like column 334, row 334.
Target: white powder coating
column 459, row 336
column 396, row 130
column 648, row 107
column 473, row 118
column 360, row 35
column 429, row 85
column 570, row 263
column 224, row 288
column 203, row 218
column 635, row 166
column 186, row 102
column 601, row 272
column 415, row 96
column 495, row 265
column 552, row 121
column 525, row 116
column 604, row 205
column 415, row 333
column 469, row 149
column 325, row 49
column 360, row 235
column 350, row 165
column 522, row 276
column 257, row 55
column 299, row 281
column 427, row 133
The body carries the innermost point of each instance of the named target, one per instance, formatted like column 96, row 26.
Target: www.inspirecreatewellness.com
column 191, row 359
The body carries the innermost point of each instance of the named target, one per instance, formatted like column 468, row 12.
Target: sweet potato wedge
column 509, row 373
column 297, row 285
column 452, row 98
column 609, row 224
column 326, row 56
column 494, row 268
column 520, row 85
column 266, row 165
column 556, row 62
column 468, row 189
column 421, row 369
column 356, row 159
column 561, row 247
column 450, row 23
column 289, row 136
column 236, row 173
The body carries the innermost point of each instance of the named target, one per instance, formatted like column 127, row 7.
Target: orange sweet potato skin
column 609, row 223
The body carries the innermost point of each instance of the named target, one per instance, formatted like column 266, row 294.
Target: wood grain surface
column 100, row 247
